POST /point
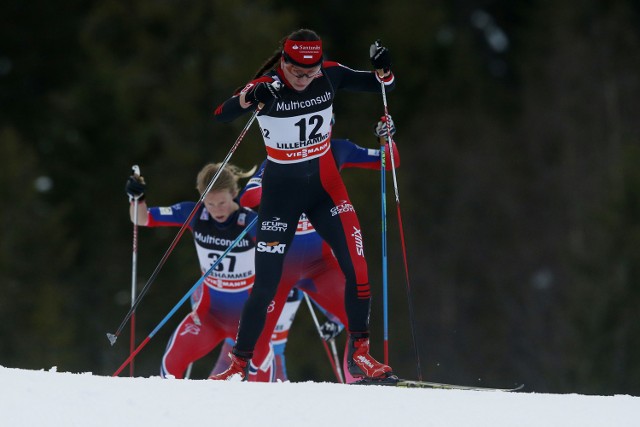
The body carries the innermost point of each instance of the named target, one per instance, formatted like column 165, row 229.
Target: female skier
column 217, row 304
column 310, row 266
column 296, row 98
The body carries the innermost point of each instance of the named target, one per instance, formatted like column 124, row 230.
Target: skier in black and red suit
column 296, row 88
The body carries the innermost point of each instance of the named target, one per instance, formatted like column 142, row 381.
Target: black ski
column 399, row 382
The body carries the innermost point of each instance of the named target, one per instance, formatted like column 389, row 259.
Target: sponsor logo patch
column 342, row 207
column 271, row 247
column 242, row 219
column 366, row 362
column 274, row 225
column 357, row 235
column 208, row 239
column 190, row 328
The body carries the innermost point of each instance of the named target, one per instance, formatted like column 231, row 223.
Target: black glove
column 380, row 128
column 330, row 330
column 135, row 187
column 380, row 57
column 263, row 92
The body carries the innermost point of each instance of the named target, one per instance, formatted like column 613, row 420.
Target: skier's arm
column 343, row 77
column 364, row 81
column 258, row 91
column 252, row 193
column 229, row 110
column 351, row 155
column 171, row 216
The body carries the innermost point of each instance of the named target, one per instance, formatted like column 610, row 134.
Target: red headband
column 303, row 53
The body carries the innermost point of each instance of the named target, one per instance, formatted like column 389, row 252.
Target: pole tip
column 112, row 338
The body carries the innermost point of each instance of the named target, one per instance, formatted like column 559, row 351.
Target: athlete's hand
column 380, row 129
column 380, row 57
column 263, row 92
column 135, row 187
column 330, row 330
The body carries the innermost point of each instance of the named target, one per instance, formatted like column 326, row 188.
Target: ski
column 399, row 382
column 429, row 384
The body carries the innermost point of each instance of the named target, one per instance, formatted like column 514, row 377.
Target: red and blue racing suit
column 217, row 304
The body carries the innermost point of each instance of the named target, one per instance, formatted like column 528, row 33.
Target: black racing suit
column 301, row 176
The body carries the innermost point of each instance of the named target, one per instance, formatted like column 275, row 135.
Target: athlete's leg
column 325, row 285
column 327, row 289
column 277, row 221
column 223, row 361
column 263, row 349
column 336, row 221
column 280, row 334
column 190, row 342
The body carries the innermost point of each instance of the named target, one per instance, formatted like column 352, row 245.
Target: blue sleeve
column 350, row 155
column 170, row 216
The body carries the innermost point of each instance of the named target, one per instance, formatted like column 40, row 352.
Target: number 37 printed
column 227, row 264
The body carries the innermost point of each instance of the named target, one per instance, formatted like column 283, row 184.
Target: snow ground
column 50, row 398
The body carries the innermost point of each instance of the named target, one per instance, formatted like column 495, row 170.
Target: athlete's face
column 220, row 204
column 299, row 77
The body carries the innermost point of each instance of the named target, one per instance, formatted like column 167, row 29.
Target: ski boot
column 237, row 371
column 362, row 365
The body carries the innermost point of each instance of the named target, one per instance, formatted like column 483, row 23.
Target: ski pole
column 185, row 297
column 187, row 375
column 401, row 229
column 135, row 170
column 335, row 363
column 113, row 337
column 334, row 351
column 385, row 298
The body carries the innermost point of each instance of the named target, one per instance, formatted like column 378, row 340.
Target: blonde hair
column 227, row 180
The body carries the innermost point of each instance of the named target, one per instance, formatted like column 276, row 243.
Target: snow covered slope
column 50, row 398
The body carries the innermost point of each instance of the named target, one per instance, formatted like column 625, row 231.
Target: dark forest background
column 520, row 188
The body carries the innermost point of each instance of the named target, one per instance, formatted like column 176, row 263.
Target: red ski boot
column 238, row 371
column 362, row 365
